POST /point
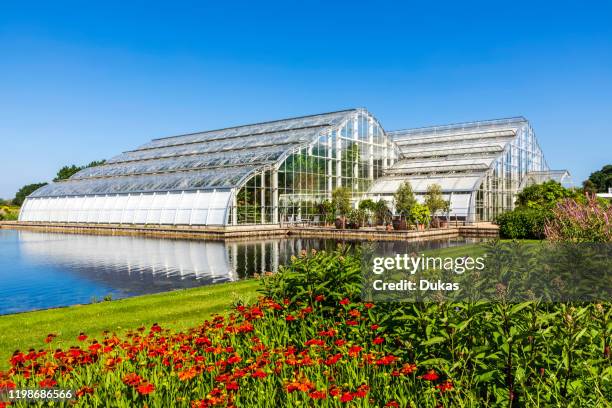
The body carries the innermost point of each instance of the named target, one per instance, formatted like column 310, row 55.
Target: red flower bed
column 291, row 351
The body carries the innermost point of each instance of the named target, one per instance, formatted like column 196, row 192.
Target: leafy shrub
column 419, row 214
column 335, row 275
column 522, row 223
column 404, row 199
column 545, row 196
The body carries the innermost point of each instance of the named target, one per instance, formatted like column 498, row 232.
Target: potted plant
column 436, row 202
column 420, row 215
column 404, row 201
column 341, row 200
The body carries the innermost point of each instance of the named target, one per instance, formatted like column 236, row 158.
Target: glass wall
column 497, row 192
column 351, row 155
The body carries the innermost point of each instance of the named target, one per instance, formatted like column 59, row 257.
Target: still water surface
column 40, row 270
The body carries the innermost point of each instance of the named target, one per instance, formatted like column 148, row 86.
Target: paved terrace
column 245, row 232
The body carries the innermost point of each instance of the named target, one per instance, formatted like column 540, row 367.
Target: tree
column 328, row 211
column 404, row 199
column 419, row 214
column 68, row 171
column 601, row 179
column 382, row 211
column 341, row 199
column 545, row 196
column 26, row 191
column 434, row 199
column 589, row 187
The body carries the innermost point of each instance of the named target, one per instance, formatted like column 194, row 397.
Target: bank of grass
column 179, row 310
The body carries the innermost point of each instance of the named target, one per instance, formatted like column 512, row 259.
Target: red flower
column 259, row 374
column 155, row 328
column 50, row 338
column 431, row 375
column 351, row 323
column 234, row 359
column 317, row 395
column 145, row 388
column 82, row 337
column 362, row 391
column 188, row 374
column 319, row 298
column 340, row 342
column 354, row 350
column 408, row 368
column 48, row 383
column 95, row 347
column 314, row 342
column 368, row 305
column 333, row 359
column 84, row 390
column 392, row 404
column 379, row 340
column 290, row 318
column 386, row 360
column 445, row 386
column 354, row 313
column 132, row 379
column 346, row 397
column 374, row 327
column 302, row 384
column 232, row 386
column 345, row 301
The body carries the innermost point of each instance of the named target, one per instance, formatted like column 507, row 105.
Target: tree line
column 63, row 173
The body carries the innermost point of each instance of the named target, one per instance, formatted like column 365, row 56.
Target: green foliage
column 333, row 274
column 382, row 212
column 341, row 199
column 545, row 196
column 367, row 205
column 600, row 180
column 496, row 353
column 327, row 210
column 9, row 213
column 68, row 171
column 419, row 214
column 357, row 217
column 404, row 199
column 523, row 223
column 26, row 191
column 434, row 199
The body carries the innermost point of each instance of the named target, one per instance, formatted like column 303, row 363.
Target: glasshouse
column 282, row 171
column 480, row 166
column 265, row 173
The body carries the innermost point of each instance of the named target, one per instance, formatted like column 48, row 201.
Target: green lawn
column 178, row 309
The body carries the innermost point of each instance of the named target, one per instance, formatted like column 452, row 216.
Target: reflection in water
column 42, row 270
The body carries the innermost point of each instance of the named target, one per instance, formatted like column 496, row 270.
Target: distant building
column 280, row 171
column 607, row 195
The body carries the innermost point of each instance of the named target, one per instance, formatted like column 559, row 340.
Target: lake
column 40, row 270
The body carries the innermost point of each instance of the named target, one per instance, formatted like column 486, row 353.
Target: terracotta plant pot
column 400, row 224
column 340, row 223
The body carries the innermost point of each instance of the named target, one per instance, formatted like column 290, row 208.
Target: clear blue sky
column 85, row 83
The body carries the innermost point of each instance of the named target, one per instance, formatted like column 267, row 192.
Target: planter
column 340, row 223
column 400, row 224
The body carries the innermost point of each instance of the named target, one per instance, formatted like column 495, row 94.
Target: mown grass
column 179, row 310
